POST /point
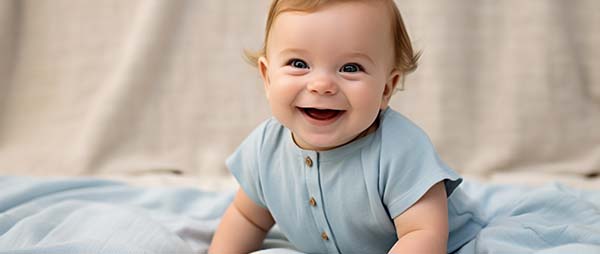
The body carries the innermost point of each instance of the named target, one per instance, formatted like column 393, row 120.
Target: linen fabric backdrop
column 143, row 86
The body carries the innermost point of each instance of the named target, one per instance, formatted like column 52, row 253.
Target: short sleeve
column 411, row 169
column 244, row 164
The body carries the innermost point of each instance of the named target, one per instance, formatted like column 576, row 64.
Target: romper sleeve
column 245, row 166
column 411, row 167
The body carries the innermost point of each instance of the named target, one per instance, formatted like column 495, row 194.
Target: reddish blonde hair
column 405, row 59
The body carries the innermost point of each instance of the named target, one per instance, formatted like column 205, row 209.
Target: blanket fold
column 87, row 215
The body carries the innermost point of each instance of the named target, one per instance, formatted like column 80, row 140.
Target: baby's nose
column 323, row 86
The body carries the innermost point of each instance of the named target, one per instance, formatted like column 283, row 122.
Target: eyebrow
column 352, row 54
column 293, row 50
column 362, row 55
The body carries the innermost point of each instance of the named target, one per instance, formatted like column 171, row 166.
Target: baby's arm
column 423, row 228
column 243, row 227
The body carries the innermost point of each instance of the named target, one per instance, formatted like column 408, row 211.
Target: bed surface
column 90, row 215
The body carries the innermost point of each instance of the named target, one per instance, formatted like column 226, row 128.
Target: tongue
column 322, row 114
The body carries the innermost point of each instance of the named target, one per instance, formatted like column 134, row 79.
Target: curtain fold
column 105, row 87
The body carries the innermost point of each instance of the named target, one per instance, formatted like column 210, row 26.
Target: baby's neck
column 367, row 131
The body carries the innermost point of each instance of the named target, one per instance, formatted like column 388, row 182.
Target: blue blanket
column 98, row 216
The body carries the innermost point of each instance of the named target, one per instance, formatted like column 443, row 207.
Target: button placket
column 313, row 185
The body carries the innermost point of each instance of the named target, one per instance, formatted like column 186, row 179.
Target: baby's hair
column 405, row 59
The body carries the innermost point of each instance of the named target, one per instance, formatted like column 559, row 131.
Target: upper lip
column 322, row 108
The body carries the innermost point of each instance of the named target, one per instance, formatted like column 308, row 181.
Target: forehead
column 352, row 25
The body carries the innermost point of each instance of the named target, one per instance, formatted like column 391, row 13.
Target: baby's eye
column 297, row 63
column 351, row 67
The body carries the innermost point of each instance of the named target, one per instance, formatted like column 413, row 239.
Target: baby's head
column 405, row 59
column 329, row 67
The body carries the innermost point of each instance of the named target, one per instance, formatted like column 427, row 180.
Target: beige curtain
column 114, row 86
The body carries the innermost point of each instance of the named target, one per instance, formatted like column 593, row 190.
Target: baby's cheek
column 367, row 99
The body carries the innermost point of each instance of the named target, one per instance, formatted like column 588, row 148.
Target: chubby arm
column 243, row 227
column 423, row 228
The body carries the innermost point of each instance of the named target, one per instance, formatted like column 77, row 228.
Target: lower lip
column 318, row 122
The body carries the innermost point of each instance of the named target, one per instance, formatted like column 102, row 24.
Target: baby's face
column 328, row 73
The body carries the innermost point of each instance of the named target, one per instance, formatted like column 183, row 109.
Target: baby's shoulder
column 399, row 134
column 268, row 133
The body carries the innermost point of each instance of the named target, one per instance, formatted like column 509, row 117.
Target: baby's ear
column 390, row 87
column 263, row 66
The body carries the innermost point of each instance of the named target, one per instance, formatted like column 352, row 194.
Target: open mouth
column 322, row 114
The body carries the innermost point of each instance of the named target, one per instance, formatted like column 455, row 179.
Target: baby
column 336, row 168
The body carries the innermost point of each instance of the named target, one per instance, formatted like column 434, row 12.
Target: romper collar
column 338, row 152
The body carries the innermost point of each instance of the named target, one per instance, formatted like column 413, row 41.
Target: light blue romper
column 341, row 200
